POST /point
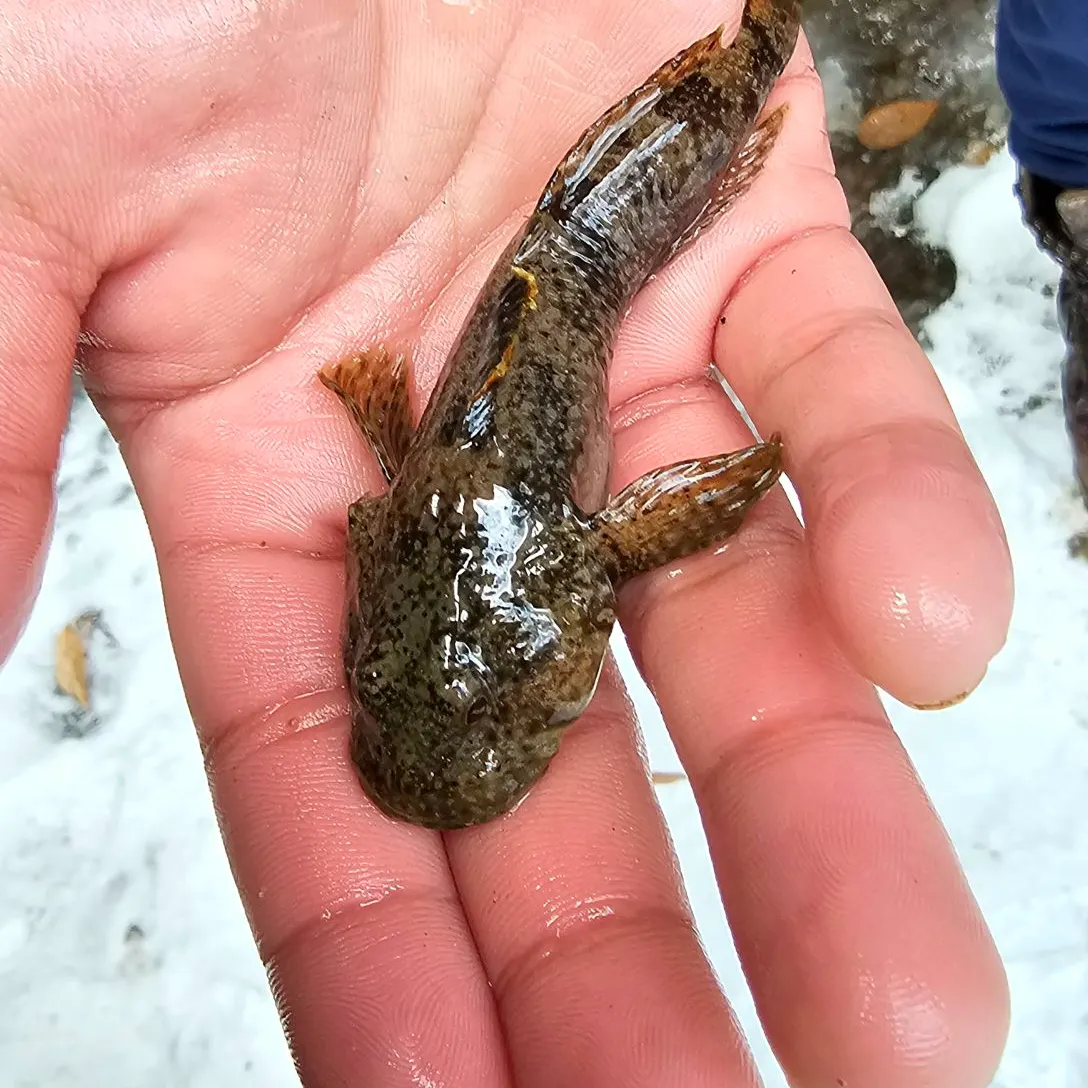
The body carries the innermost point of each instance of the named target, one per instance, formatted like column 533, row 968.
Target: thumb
column 39, row 323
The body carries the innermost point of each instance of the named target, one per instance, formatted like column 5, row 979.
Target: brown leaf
column 664, row 778
column 70, row 667
column 894, row 123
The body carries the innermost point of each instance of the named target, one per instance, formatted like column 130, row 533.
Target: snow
column 117, row 906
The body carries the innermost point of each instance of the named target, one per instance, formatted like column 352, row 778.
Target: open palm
column 222, row 197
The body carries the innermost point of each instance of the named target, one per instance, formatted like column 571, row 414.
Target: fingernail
column 955, row 700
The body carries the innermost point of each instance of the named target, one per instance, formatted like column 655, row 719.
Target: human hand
column 223, row 197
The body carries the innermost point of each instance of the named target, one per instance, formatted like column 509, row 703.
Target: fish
column 481, row 585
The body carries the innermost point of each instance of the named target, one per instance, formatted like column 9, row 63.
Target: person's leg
column 1059, row 219
column 1042, row 65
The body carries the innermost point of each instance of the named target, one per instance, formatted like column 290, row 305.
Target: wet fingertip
column 915, row 572
column 924, row 665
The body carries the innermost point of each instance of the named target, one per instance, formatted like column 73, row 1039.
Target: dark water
column 871, row 53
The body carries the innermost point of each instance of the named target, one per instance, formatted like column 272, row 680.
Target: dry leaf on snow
column 894, row 123
column 70, row 665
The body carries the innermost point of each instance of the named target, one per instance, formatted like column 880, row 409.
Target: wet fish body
column 481, row 586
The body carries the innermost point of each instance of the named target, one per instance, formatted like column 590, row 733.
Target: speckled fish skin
column 481, row 586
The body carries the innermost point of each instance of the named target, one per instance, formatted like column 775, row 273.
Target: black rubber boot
column 1059, row 219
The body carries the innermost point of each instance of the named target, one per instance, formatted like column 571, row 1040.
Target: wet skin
column 481, row 586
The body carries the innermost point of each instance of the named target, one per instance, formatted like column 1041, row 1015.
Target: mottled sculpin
column 482, row 585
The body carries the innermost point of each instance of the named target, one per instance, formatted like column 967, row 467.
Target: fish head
column 463, row 678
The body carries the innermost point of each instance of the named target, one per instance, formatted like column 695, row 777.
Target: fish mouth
column 453, row 808
column 447, row 783
column 448, row 814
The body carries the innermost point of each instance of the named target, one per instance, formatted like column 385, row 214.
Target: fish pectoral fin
column 737, row 178
column 373, row 385
column 676, row 511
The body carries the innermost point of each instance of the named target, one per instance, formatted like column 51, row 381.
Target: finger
column 907, row 547
column 39, row 321
column 575, row 904
column 866, row 954
column 356, row 918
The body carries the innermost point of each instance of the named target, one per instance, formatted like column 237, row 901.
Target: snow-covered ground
column 123, row 948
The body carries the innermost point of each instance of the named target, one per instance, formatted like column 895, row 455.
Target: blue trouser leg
column 1042, row 67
